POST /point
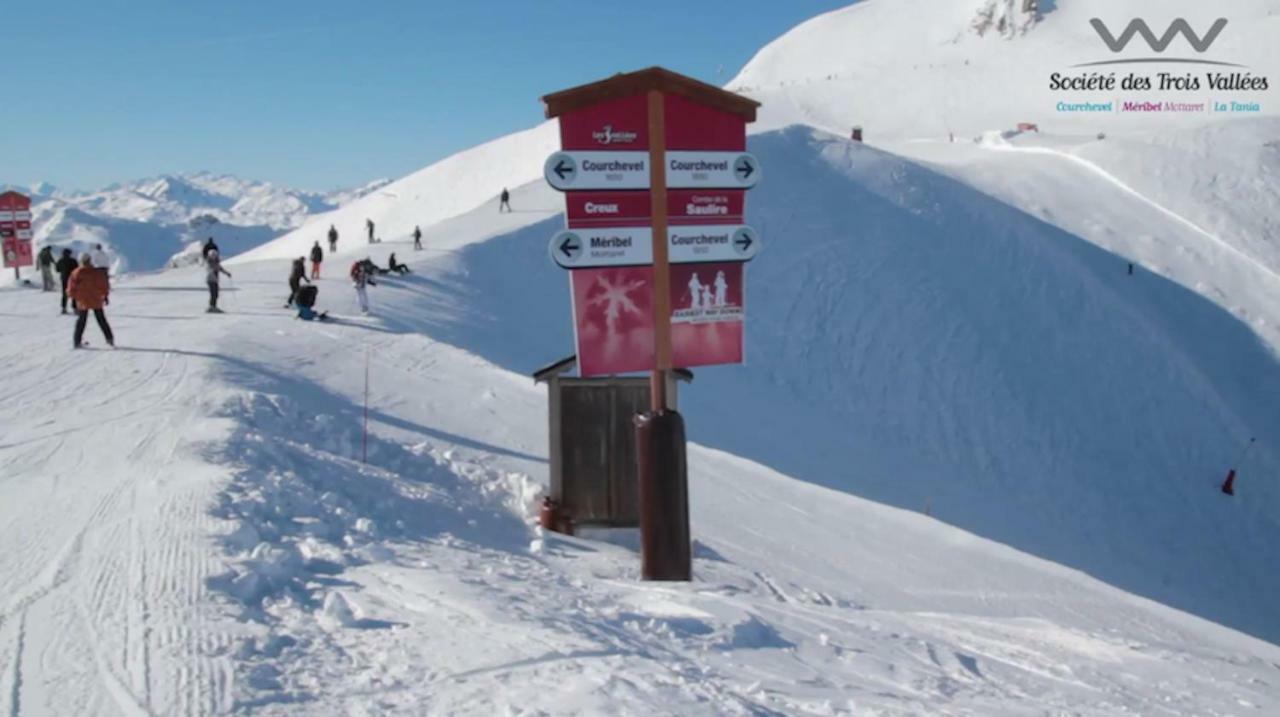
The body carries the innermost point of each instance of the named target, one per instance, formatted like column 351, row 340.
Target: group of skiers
column 84, row 283
column 373, row 239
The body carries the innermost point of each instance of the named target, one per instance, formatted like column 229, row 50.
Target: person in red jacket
column 89, row 287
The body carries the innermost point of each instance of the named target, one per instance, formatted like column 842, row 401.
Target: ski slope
column 256, row 565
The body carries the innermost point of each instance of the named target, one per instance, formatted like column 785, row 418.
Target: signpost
column 658, row 159
column 15, row 230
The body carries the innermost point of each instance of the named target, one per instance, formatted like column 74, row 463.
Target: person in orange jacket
column 89, row 287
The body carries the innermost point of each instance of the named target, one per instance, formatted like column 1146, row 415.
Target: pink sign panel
column 17, row 253
column 613, row 319
column 708, row 311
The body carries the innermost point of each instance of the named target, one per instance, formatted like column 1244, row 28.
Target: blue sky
column 324, row 94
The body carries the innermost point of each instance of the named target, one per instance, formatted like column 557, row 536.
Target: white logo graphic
column 706, row 302
column 610, row 136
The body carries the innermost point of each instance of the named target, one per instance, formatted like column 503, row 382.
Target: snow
column 971, row 468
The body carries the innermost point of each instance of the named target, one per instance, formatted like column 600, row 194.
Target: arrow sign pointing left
column 570, row 246
column 568, row 171
column 606, row 246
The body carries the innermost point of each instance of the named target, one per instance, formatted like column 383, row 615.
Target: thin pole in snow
column 364, row 441
column 1245, row 453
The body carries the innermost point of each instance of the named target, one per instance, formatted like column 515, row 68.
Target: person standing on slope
column 368, row 224
column 213, row 267
column 45, row 260
column 100, row 260
column 417, row 238
column 317, row 256
column 333, row 239
column 360, row 277
column 209, row 246
column 297, row 275
column 89, row 287
column 504, row 200
column 66, row 264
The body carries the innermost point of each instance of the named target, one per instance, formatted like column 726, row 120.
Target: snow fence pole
column 364, row 439
column 1229, row 485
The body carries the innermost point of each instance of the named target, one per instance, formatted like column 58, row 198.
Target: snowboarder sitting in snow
column 297, row 275
column 370, row 268
column 89, row 287
column 393, row 265
column 212, row 276
column 306, row 300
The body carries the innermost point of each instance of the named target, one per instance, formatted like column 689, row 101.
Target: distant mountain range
column 146, row 223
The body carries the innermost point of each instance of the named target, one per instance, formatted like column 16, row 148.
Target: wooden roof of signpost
column 653, row 78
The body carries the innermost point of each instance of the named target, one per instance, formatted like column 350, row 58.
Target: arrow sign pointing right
column 744, row 167
column 743, row 239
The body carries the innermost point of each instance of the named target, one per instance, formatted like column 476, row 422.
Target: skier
column 504, row 200
column 368, row 224
column 89, row 287
column 297, row 275
column 360, row 276
column 417, row 238
column 213, row 270
column 333, row 239
column 45, row 260
column 66, row 265
column 393, row 265
column 317, row 256
column 209, row 246
column 100, row 260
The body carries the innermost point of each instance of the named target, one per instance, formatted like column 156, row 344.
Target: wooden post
column 661, row 267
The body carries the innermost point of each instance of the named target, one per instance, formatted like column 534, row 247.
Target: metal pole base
column 665, row 552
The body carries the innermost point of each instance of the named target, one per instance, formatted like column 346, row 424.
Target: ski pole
column 1245, row 453
column 364, row 440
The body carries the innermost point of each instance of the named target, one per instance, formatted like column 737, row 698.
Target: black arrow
column 746, row 169
column 568, row 246
column 744, row 242
column 561, row 169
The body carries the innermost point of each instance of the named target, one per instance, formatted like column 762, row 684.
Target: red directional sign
column 630, row 209
column 654, row 155
column 15, row 229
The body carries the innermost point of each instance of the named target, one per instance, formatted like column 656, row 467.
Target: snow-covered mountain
column 144, row 223
column 972, row 466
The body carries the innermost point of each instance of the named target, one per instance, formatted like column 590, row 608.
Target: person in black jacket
column 297, row 275
column 208, row 247
column 317, row 256
column 333, row 239
column 66, row 264
column 417, row 238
